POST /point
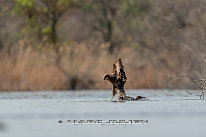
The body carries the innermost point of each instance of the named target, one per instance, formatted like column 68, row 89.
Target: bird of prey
column 118, row 79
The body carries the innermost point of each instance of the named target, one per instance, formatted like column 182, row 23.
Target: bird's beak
column 104, row 76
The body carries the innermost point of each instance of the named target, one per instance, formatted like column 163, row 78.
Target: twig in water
column 198, row 84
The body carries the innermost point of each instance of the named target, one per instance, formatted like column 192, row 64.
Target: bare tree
column 104, row 16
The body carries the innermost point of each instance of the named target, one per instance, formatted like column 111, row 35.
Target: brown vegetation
column 156, row 41
column 81, row 67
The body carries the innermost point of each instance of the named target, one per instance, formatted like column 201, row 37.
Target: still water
column 37, row 114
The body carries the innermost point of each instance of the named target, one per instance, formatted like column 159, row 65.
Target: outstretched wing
column 118, row 70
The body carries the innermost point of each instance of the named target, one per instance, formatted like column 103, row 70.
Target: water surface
column 36, row 114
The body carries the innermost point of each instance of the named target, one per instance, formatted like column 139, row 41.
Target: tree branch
column 198, row 84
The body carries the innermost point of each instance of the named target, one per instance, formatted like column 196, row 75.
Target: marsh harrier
column 117, row 78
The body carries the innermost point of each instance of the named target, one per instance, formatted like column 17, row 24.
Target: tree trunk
column 54, row 32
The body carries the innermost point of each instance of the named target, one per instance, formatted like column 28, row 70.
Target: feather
column 118, row 70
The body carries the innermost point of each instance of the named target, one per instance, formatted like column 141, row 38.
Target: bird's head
column 105, row 76
column 139, row 97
